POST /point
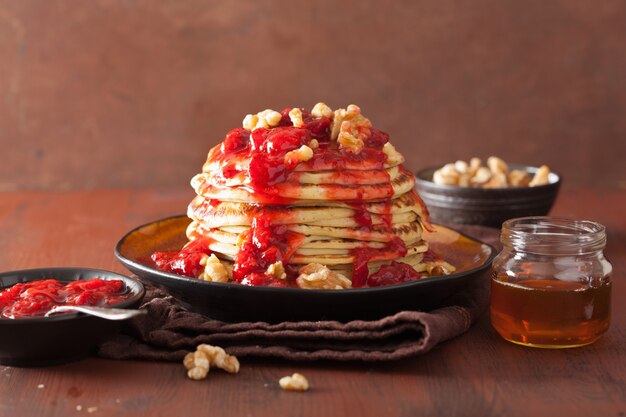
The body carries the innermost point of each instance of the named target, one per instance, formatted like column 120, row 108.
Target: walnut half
column 205, row 357
column 267, row 118
column 295, row 382
column 219, row 358
column 214, row 270
column 350, row 128
column 318, row 277
column 197, row 364
column 302, row 154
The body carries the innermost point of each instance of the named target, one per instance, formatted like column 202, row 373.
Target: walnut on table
column 205, row 357
column 295, row 382
column 220, row 359
column 197, row 364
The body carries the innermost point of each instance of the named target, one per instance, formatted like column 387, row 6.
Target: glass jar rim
column 553, row 234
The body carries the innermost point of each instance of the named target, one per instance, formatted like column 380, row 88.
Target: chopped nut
column 474, row 164
column 266, row 118
column 498, row 180
column 541, row 176
column 353, row 109
column 461, row 167
column 214, row 270
column 269, row 118
column 496, row 164
column 303, row 154
column 205, row 357
column 276, row 270
column 322, row 110
column 348, row 140
column 295, row 382
column 218, row 358
column 197, row 364
column 393, row 157
column 250, row 121
column 483, row 175
column 519, row 178
column 339, row 116
column 359, row 126
column 446, row 177
column 314, row 144
column 295, row 115
column 449, row 169
column 318, row 277
column 464, row 179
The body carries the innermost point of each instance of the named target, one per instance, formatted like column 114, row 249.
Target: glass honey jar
column 551, row 284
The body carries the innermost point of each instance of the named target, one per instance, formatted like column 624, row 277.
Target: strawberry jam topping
column 260, row 246
column 394, row 273
column 186, row 262
column 36, row 298
column 363, row 256
column 361, row 216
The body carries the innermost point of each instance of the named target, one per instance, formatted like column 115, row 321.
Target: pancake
column 376, row 176
column 287, row 191
column 348, row 258
column 414, row 260
column 407, row 232
column 375, row 219
column 295, row 191
column 348, row 177
column 313, row 216
column 213, row 213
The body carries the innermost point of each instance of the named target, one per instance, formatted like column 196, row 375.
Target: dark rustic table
column 475, row 374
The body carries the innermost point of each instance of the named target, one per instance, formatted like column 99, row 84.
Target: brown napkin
column 169, row 331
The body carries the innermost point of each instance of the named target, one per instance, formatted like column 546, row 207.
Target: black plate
column 61, row 338
column 235, row 302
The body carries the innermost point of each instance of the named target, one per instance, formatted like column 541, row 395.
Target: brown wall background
column 134, row 93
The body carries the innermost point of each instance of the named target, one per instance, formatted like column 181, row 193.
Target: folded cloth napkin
column 168, row 331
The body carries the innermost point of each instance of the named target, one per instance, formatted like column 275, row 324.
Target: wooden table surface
column 475, row 374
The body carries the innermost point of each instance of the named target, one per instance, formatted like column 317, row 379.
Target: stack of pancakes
column 335, row 213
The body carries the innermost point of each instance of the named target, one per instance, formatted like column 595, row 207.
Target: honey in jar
column 551, row 283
